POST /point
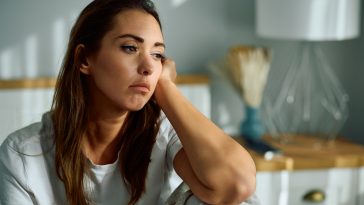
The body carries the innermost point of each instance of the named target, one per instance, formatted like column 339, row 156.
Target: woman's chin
column 136, row 107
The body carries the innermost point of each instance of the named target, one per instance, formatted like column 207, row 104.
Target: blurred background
column 33, row 38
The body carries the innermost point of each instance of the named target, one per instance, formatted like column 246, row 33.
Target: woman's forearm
column 216, row 159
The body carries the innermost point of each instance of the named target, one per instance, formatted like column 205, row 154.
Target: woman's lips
column 141, row 87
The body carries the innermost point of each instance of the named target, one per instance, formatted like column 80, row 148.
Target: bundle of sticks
column 247, row 69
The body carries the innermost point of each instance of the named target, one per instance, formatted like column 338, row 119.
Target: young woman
column 105, row 140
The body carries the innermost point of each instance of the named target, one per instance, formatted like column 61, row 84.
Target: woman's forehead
column 136, row 22
column 135, row 19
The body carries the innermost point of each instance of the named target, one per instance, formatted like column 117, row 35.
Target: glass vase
column 311, row 100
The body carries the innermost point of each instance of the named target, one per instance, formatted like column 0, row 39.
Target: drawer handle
column 315, row 196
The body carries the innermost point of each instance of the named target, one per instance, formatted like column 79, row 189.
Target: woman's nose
column 146, row 65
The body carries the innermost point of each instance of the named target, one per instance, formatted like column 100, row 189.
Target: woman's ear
column 81, row 59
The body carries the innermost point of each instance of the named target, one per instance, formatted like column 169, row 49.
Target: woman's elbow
column 241, row 189
column 238, row 192
column 244, row 190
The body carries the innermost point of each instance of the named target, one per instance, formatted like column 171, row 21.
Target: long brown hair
column 70, row 111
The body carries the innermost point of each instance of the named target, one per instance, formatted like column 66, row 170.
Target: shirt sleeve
column 173, row 146
column 12, row 180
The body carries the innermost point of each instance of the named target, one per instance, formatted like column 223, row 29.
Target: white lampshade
column 313, row 20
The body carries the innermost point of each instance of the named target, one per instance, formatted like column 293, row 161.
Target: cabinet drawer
column 308, row 187
column 339, row 186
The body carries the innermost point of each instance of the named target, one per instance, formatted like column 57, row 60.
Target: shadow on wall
column 34, row 36
column 35, row 33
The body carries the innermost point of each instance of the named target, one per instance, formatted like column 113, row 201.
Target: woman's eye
column 129, row 48
column 158, row 56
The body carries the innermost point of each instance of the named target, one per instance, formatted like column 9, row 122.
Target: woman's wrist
column 162, row 89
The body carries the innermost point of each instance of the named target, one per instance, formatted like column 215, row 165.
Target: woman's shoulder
column 30, row 140
column 165, row 126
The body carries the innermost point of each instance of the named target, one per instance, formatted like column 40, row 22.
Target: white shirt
column 28, row 175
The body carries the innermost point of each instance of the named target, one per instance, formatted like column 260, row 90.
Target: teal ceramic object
column 252, row 127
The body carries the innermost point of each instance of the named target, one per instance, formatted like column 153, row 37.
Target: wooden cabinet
column 311, row 172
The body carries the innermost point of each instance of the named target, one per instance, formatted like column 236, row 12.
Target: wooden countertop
column 28, row 83
column 303, row 152
column 47, row 82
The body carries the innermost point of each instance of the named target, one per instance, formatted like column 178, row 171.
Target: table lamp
column 311, row 100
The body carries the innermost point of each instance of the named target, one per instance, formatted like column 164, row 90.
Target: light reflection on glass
column 59, row 40
column 177, row 3
column 31, row 58
column 5, row 63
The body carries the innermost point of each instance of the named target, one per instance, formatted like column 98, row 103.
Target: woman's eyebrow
column 158, row 44
column 140, row 39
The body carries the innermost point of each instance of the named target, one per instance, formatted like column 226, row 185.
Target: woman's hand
column 167, row 78
column 168, row 71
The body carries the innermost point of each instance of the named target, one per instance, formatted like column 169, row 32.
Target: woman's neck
column 101, row 142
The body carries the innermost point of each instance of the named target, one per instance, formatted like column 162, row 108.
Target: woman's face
column 125, row 70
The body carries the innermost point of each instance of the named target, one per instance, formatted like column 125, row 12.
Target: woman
column 105, row 140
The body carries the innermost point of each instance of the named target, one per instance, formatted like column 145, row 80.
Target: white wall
column 34, row 35
column 197, row 32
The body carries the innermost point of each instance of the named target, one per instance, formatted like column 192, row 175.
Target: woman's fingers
column 169, row 70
